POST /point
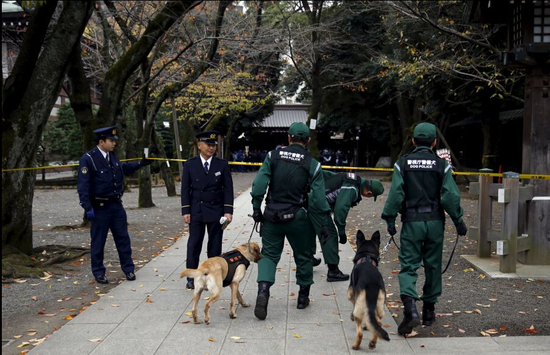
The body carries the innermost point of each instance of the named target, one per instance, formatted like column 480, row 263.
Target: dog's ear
column 376, row 237
column 360, row 237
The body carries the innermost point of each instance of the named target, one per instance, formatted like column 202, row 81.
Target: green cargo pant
column 299, row 233
column 330, row 248
column 421, row 242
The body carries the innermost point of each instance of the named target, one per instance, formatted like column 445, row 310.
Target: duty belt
column 106, row 198
column 422, row 209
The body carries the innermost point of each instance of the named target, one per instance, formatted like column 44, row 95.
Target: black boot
column 262, row 300
column 411, row 319
column 303, row 297
column 335, row 274
column 428, row 313
column 316, row 261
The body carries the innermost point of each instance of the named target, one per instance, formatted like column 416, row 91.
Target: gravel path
column 470, row 304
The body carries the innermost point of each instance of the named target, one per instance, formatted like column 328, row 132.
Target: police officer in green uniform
column 343, row 191
column 290, row 173
column 422, row 189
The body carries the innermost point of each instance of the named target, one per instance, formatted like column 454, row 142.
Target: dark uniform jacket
column 102, row 179
column 206, row 197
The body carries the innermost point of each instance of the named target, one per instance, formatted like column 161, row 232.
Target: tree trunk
column 22, row 126
column 165, row 171
column 490, row 126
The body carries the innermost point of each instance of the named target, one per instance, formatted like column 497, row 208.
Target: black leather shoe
column 262, row 300
column 428, row 313
column 316, row 261
column 102, row 279
column 336, row 275
column 303, row 297
column 411, row 319
column 190, row 284
column 130, row 276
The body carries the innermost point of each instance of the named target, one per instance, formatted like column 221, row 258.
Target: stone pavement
column 151, row 316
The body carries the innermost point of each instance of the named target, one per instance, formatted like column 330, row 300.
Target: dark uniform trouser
column 330, row 248
column 421, row 242
column 196, row 237
column 299, row 233
column 111, row 216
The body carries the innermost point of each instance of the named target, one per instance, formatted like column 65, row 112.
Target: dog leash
column 448, row 262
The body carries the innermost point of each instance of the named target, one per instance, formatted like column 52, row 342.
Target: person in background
column 100, row 188
column 206, row 197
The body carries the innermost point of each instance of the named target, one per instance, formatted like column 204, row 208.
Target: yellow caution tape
column 521, row 176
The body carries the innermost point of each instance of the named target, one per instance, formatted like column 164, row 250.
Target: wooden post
column 176, row 135
column 509, row 195
column 485, row 213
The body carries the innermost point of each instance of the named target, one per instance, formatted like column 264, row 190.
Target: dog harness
column 234, row 258
column 365, row 259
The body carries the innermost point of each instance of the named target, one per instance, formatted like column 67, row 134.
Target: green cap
column 298, row 129
column 425, row 130
column 374, row 186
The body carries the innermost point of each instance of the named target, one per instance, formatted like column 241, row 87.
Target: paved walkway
column 151, row 316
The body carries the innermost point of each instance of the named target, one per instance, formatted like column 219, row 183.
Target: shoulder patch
column 84, row 170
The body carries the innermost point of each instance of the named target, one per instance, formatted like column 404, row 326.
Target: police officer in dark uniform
column 422, row 189
column 290, row 173
column 206, row 198
column 100, row 188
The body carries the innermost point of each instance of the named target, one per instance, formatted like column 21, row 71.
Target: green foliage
column 62, row 137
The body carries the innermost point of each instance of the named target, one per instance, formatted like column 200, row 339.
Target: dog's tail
column 194, row 273
column 372, row 323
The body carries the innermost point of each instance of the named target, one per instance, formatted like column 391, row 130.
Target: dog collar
column 367, row 259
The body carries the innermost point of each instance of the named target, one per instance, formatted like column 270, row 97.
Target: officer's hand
column 144, row 161
column 257, row 215
column 187, row 218
column 343, row 238
column 391, row 230
column 90, row 215
column 324, row 235
column 461, row 228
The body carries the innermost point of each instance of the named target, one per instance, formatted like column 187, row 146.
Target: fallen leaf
column 162, row 289
column 25, row 343
column 210, row 339
column 19, row 281
column 461, row 330
column 17, row 336
column 524, row 313
column 148, row 300
column 68, row 317
column 95, row 340
column 477, row 311
column 115, row 305
column 531, row 329
column 413, row 334
column 34, row 298
column 297, row 336
column 293, row 294
column 387, row 325
column 186, row 321
column 491, row 331
column 484, row 334
column 189, row 314
column 235, row 338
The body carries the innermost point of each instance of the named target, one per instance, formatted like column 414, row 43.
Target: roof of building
column 284, row 115
column 510, row 115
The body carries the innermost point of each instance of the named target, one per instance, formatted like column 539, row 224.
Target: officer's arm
column 317, row 197
column 450, row 196
column 185, row 190
column 130, row 167
column 227, row 189
column 342, row 205
column 261, row 181
column 83, row 185
column 395, row 197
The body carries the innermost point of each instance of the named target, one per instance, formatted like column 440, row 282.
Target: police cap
column 208, row 137
column 298, row 129
column 425, row 130
column 374, row 186
column 106, row 132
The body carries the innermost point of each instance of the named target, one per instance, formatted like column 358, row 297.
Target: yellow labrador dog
column 215, row 273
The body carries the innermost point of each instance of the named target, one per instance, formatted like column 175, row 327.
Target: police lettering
column 421, row 163
column 296, row 157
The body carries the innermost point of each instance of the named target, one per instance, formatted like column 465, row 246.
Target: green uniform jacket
column 450, row 195
column 317, row 199
column 346, row 197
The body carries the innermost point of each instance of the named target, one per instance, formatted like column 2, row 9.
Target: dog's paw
column 232, row 315
column 197, row 321
column 364, row 327
column 245, row 304
column 352, row 317
column 356, row 347
column 372, row 345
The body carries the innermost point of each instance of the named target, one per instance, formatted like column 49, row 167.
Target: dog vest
column 234, row 258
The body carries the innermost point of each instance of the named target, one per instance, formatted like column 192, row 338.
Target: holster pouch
column 280, row 212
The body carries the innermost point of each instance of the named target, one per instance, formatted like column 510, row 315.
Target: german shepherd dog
column 212, row 275
column 367, row 291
